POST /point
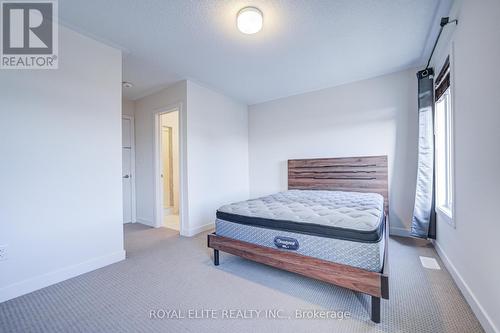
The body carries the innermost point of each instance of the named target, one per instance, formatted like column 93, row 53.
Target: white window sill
column 444, row 214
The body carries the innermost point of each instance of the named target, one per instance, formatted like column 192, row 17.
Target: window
column 443, row 143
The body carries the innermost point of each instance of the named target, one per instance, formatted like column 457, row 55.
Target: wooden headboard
column 355, row 174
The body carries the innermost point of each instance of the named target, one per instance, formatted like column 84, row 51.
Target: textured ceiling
column 304, row 45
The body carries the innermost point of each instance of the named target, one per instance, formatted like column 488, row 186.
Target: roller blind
column 443, row 80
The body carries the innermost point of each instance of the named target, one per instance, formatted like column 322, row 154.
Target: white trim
column 158, row 196
column 476, row 307
column 197, row 230
column 442, row 213
column 445, row 215
column 452, row 136
column 29, row 285
column 145, row 221
column 132, row 166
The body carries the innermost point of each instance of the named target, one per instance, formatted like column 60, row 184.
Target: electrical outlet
column 3, row 252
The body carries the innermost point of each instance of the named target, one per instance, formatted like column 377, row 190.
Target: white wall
column 214, row 129
column 370, row 117
column 471, row 249
column 60, row 176
column 145, row 110
column 217, row 154
column 128, row 107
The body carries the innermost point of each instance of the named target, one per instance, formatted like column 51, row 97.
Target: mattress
column 342, row 227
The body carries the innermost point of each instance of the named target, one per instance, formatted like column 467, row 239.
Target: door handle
column 126, row 176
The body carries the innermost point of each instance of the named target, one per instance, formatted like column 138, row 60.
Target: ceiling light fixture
column 126, row 84
column 249, row 20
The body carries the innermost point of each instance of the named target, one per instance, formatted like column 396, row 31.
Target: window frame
column 444, row 212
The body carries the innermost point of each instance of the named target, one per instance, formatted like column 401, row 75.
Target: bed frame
column 357, row 174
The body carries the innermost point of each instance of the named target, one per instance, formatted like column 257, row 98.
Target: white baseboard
column 144, row 221
column 27, row 286
column 194, row 231
column 396, row 231
column 476, row 307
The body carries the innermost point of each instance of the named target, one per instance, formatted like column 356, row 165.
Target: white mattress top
column 349, row 210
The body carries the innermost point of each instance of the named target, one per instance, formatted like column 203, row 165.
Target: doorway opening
column 169, row 168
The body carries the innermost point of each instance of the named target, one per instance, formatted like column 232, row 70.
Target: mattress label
column 287, row 243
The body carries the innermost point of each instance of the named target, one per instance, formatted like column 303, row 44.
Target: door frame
column 132, row 165
column 158, row 190
column 169, row 130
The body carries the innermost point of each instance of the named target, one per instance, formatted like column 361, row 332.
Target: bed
column 331, row 225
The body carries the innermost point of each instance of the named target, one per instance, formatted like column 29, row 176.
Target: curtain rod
column 444, row 21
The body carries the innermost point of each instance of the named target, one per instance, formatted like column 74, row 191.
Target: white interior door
column 127, row 169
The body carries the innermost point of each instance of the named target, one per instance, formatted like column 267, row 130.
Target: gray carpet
column 165, row 271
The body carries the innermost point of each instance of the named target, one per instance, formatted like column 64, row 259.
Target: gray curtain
column 423, row 221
